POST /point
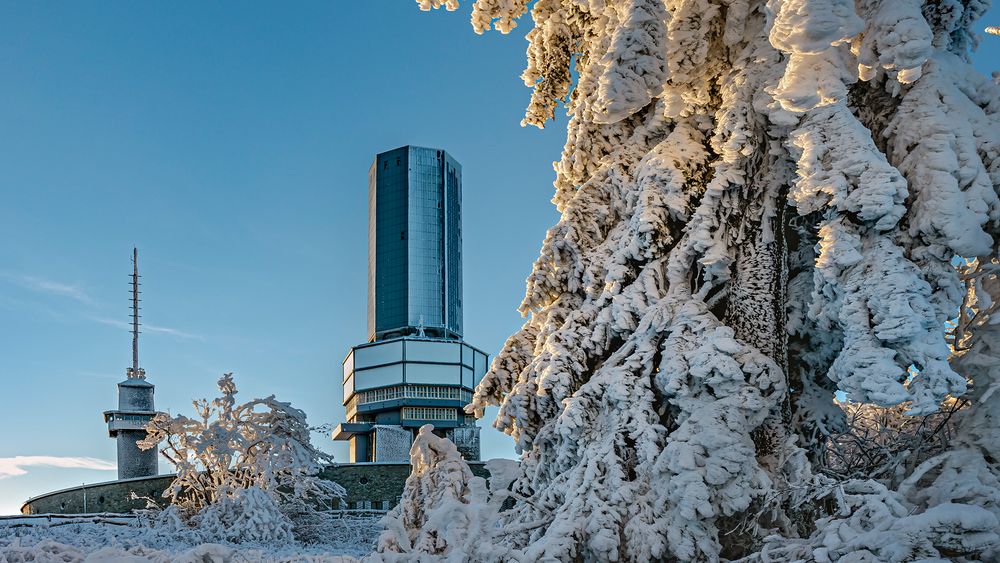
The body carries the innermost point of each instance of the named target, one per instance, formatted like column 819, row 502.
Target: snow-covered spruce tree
column 245, row 472
column 762, row 203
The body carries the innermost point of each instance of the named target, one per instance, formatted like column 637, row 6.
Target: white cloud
column 170, row 331
column 77, row 293
column 42, row 285
column 14, row 466
column 147, row 328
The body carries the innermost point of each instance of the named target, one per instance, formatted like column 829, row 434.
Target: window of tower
column 429, row 413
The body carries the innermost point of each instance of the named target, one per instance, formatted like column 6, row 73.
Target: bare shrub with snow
column 243, row 470
column 762, row 204
column 886, row 443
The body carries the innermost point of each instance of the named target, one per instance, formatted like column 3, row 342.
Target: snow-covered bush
column 873, row 524
column 762, row 204
column 446, row 512
column 242, row 470
column 244, row 515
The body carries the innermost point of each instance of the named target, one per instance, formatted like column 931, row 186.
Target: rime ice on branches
column 762, row 204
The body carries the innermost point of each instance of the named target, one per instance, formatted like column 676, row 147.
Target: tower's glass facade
column 415, row 368
column 415, row 244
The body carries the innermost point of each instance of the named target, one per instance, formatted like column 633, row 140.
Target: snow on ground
column 124, row 539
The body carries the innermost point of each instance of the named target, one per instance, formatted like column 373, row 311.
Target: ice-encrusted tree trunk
column 762, row 203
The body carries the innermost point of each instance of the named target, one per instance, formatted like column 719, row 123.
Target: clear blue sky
column 230, row 141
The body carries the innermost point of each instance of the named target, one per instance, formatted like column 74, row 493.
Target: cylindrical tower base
column 132, row 461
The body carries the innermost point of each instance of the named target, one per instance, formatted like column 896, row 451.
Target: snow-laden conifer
column 762, row 203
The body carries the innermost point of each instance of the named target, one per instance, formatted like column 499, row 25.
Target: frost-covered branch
column 762, row 204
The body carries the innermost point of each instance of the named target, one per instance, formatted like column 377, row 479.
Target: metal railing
column 429, row 413
column 434, row 392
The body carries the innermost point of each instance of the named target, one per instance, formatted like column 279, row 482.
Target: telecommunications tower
column 135, row 404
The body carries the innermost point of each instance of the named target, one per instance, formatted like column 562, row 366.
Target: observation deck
column 409, row 381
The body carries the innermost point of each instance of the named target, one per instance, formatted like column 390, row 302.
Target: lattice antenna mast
column 135, row 372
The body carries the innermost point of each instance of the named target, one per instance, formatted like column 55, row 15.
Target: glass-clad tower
column 414, row 244
column 415, row 368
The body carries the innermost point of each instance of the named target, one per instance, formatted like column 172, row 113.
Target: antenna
column 135, row 372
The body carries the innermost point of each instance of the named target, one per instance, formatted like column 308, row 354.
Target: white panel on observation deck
column 348, row 365
column 348, row 387
column 432, row 373
column 378, row 354
column 480, row 368
column 429, row 351
column 378, row 377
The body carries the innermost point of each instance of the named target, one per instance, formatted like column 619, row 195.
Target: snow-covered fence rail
column 134, row 537
column 358, row 513
column 117, row 519
column 49, row 520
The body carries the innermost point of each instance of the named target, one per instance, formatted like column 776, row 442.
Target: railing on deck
column 407, row 392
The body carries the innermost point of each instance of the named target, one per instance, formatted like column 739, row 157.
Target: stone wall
column 369, row 485
column 378, row 484
column 111, row 496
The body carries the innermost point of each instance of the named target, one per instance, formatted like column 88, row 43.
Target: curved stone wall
column 376, row 486
column 110, row 496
